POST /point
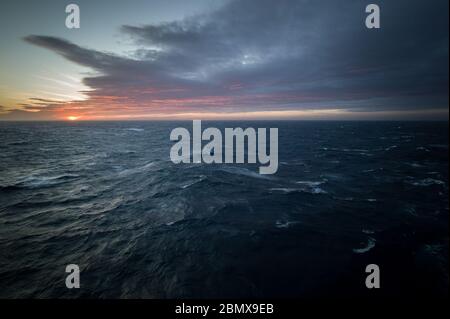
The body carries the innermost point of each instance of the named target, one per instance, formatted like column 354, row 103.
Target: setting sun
column 73, row 118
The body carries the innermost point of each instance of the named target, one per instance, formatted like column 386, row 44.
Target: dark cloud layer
column 285, row 54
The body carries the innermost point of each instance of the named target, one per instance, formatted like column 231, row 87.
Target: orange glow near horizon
column 323, row 114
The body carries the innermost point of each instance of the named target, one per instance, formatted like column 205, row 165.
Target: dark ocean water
column 107, row 197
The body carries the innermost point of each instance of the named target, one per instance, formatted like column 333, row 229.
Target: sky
column 224, row 59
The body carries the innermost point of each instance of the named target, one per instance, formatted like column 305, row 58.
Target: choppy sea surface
column 105, row 196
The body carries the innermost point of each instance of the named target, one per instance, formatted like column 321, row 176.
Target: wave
column 99, row 208
column 244, row 172
column 312, row 186
column 351, row 199
column 133, row 129
column 139, row 169
column 43, row 181
column 373, row 170
column 286, row 224
column 414, row 165
column 285, row 190
column 310, row 183
column 346, row 150
column 347, row 199
column 370, row 244
column 316, row 190
column 343, row 149
column 427, row 182
column 200, row 179
column 390, row 148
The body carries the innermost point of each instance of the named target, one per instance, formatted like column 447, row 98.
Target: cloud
column 273, row 55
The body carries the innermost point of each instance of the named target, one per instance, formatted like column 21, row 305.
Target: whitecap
column 312, row 186
column 244, row 172
column 411, row 210
column 134, row 129
column 138, row 169
column 317, row 190
column 427, row 182
column 373, row 170
column 370, row 244
column 310, row 190
column 415, row 165
column 284, row 190
column 349, row 199
column 310, row 183
column 286, row 224
column 334, row 149
column 201, row 178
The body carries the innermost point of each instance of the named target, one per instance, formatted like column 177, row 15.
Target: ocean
column 105, row 196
